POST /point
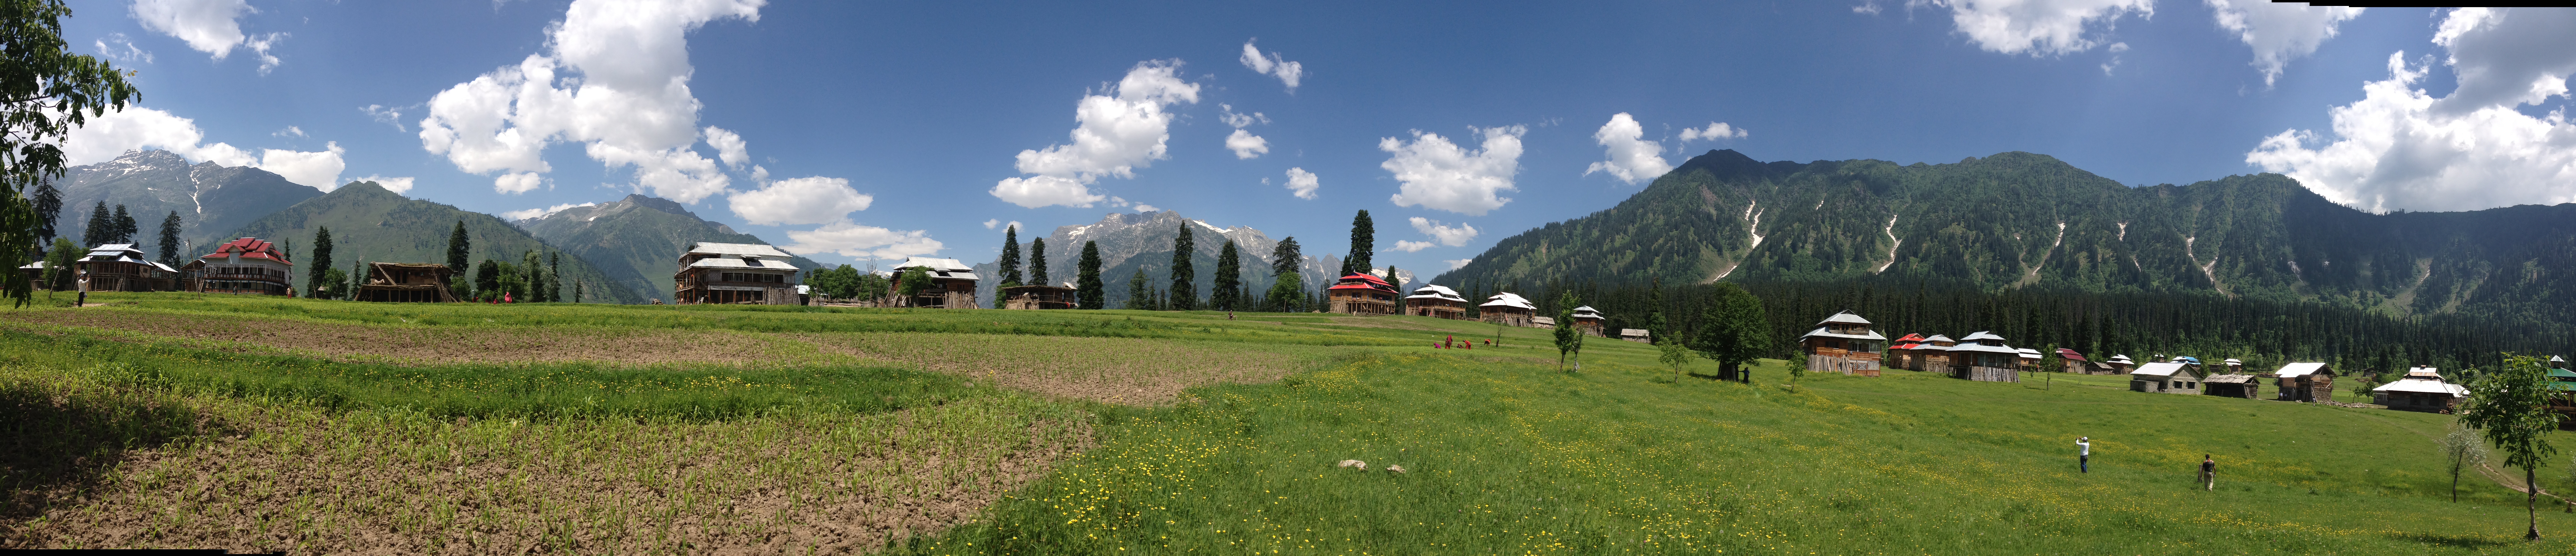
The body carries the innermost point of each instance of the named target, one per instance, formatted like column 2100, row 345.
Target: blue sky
column 850, row 131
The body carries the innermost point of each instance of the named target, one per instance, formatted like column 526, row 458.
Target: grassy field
column 164, row 420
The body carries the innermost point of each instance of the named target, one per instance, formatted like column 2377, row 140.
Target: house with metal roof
column 1843, row 343
column 1362, row 294
column 1435, row 301
column 952, row 284
column 2170, row 377
column 1984, row 357
column 119, row 267
column 1038, row 296
column 734, row 273
column 246, row 266
column 2234, row 386
column 1507, row 309
column 1638, row 335
column 1590, row 320
column 1932, row 355
column 2421, row 390
column 2308, row 381
column 2120, row 364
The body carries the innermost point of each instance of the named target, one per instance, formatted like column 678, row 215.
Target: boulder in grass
column 1362, row 465
column 1395, row 469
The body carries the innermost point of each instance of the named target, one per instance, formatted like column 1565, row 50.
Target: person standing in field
column 2084, row 454
column 2208, row 473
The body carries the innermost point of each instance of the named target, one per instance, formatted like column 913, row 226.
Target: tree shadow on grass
column 59, row 439
column 2473, row 542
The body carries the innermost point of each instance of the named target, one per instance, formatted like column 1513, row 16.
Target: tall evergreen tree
column 532, row 271
column 125, row 226
column 357, row 278
column 487, row 279
column 1087, row 292
column 554, row 276
column 1037, row 262
column 1138, row 296
column 49, row 209
column 1009, row 266
column 1228, row 291
column 458, row 248
column 101, row 229
column 320, row 263
column 1363, row 243
column 170, row 239
column 1185, row 285
column 1286, row 257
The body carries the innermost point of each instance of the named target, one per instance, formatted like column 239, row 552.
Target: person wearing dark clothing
column 2084, row 454
column 2208, row 473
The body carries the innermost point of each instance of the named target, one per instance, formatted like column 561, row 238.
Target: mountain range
column 636, row 240
column 211, row 199
column 2020, row 219
column 369, row 223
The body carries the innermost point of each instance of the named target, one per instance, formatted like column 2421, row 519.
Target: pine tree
column 357, row 277
column 458, row 248
column 532, row 272
column 170, row 240
column 577, row 289
column 1009, row 266
column 321, row 262
column 1228, row 291
column 1363, row 243
column 100, row 228
column 125, row 226
column 487, row 279
column 1286, row 257
column 1087, row 290
column 1037, row 262
column 1138, row 296
column 554, row 276
column 1185, row 286
column 49, row 209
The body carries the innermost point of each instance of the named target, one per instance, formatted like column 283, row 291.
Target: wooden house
column 1362, row 294
column 1932, row 355
column 37, row 276
column 1983, row 356
column 2232, row 366
column 1638, row 335
column 2030, row 359
column 2304, row 382
column 245, row 266
column 2120, row 364
column 1038, row 297
column 952, row 284
column 734, row 273
column 2171, row 377
column 1591, row 321
column 2234, row 386
column 407, row 283
column 1543, row 322
column 2421, row 390
column 119, row 267
column 1900, row 352
column 2562, row 398
column 1507, row 309
column 1435, row 301
column 1843, row 343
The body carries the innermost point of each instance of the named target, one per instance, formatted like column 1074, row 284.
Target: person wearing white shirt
column 2084, row 454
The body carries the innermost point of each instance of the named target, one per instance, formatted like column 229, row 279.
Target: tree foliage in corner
column 2510, row 405
column 46, row 91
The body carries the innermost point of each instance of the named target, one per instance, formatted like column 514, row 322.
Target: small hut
column 2120, row 364
column 1984, row 357
column 1933, row 355
column 2304, row 382
column 2234, row 386
column 1362, row 294
column 1590, row 320
column 2421, row 390
column 1543, row 322
column 407, row 283
column 1638, row 335
column 2075, row 362
column 1507, row 309
column 2232, row 366
column 1435, row 301
column 1842, row 343
column 1037, row 297
column 1900, row 352
column 2030, row 359
column 2171, row 377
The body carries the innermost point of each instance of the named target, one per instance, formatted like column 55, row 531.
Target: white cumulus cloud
column 2038, row 27
column 539, row 212
column 400, row 185
column 623, row 70
column 729, row 146
column 319, row 169
column 513, row 184
column 997, row 223
column 1441, row 232
column 1145, row 208
column 2279, row 32
column 1455, row 264
column 1438, row 174
column 1632, row 158
column 118, row 47
column 108, row 136
column 812, row 200
column 856, row 240
column 1302, row 183
column 1246, row 145
column 1121, row 129
column 210, row 26
column 1714, row 131
column 1273, row 65
column 2399, row 147
column 1409, row 246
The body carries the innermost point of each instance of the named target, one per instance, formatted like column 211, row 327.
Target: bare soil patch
column 1114, row 370
column 429, row 344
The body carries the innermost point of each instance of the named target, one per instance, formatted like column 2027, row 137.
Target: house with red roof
column 1363, row 294
column 247, row 266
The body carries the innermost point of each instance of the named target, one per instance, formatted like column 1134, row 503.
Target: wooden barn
column 734, row 273
column 1984, row 357
column 1507, row 309
column 2234, row 386
column 2421, row 390
column 243, row 266
column 1590, row 321
column 1842, row 343
column 2304, row 382
column 1638, row 335
column 1038, row 297
column 119, row 267
column 952, row 284
column 2179, row 376
column 407, row 283
column 1362, row 294
column 1435, row 301
column 2076, row 363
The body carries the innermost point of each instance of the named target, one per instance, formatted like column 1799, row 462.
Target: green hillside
column 637, row 240
column 371, row 224
column 2019, row 219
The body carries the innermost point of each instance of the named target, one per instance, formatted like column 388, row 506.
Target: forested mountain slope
column 371, row 224
column 638, row 239
column 210, row 198
column 2022, row 219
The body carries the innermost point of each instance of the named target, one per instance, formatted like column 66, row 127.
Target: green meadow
column 172, row 421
